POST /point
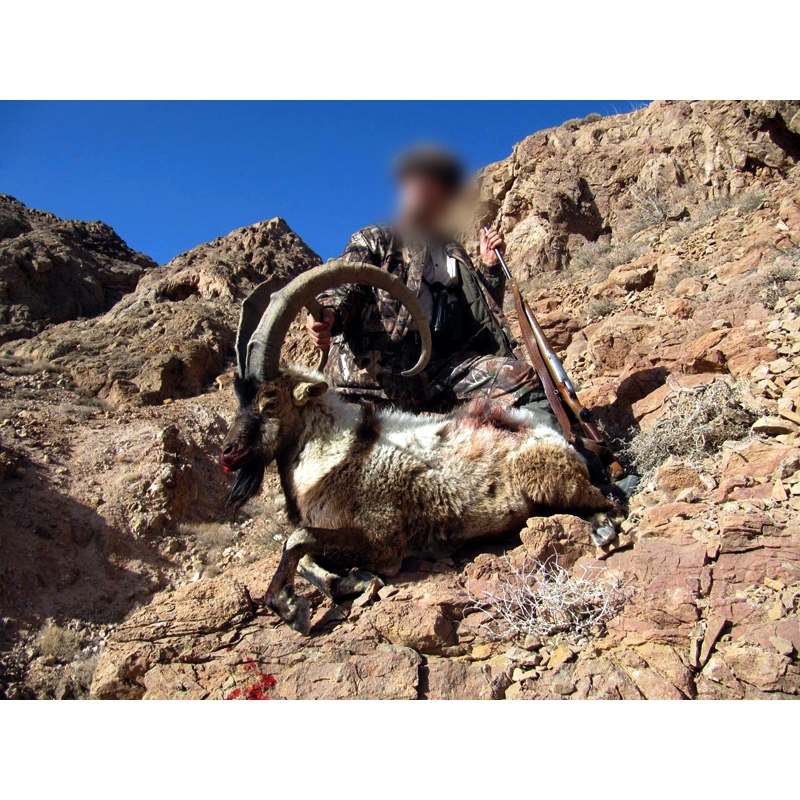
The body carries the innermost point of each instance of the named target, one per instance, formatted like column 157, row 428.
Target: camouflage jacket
column 372, row 340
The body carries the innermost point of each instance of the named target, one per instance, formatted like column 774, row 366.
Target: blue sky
column 170, row 175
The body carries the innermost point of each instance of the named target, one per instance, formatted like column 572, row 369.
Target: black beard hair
column 247, row 483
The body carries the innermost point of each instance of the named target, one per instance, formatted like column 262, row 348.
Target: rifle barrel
column 554, row 364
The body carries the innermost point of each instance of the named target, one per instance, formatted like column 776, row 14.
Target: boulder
column 675, row 476
column 562, row 535
column 610, row 344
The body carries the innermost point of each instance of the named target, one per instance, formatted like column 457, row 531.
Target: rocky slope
column 53, row 270
column 599, row 178
column 171, row 337
column 681, row 324
column 108, row 497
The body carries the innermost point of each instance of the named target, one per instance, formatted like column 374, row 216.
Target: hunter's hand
column 489, row 242
column 320, row 332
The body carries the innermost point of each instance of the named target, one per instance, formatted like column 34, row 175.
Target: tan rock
column 411, row 624
column 562, row 535
column 633, row 276
column 179, row 325
column 755, row 459
column 679, row 308
column 783, row 646
column 675, row 476
column 53, row 270
column 758, row 667
column 689, row 287
column 560, row 656
column 778, row 494
column 449, row 679
column 773, row 426
column 779, row 366
column 610, row 344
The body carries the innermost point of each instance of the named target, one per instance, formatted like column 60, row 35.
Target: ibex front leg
column 281, row 596
column 344, row 548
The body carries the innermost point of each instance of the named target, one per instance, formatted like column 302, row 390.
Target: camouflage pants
column 466, row 375
column 444, row 384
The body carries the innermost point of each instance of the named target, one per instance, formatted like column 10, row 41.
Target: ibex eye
column 267, row 404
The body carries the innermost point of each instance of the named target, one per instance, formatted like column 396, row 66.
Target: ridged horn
column 264, row 346
column 253, row 308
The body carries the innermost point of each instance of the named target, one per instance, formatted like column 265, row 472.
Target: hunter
column 370, row 335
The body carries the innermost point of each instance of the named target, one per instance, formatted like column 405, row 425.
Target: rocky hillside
column 602, row 179
column 660, row 250
column 53, row 270
column 109, row 436
column 171, row 337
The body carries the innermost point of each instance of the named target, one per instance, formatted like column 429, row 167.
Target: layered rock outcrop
column 172, row 336
column 601, row 177
column 53, row 270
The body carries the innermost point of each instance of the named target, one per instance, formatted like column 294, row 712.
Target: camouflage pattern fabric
column 510, row 381
column 374, row 340
column 465, row 376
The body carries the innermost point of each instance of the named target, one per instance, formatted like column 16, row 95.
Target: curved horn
column 253, row 308
column 264, row 347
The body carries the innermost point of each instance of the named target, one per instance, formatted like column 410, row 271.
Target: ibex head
column 273, row 400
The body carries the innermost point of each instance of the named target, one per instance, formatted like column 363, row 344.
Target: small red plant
column 257, row 690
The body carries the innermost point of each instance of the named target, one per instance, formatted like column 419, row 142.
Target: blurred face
column 423, row 202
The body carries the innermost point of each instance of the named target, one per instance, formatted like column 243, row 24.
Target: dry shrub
column 711, row 211
column 19, row 366
column 211, row 538
column 775, row 280
column 597, row 259
column 749, row 200
column 269, row 509
column 209, row 534
column 746, row 202
column 694, row 424
column 650, row 208
column 60, row 643
column 602, row 307
column 579, row 122
column 81, row 674
column 82, row 409
column 543, row 598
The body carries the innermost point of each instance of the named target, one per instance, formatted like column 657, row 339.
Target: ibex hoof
column 356, row 582
column 603, row 529
column 292, row 608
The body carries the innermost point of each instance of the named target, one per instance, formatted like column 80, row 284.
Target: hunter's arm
column 495, row 281
column 347, row 301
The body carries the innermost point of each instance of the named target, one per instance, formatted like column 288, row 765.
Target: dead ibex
column 369, row 487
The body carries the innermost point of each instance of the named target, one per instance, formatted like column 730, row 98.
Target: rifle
column 554, row 377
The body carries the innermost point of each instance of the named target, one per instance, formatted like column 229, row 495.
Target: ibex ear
column 303, row 392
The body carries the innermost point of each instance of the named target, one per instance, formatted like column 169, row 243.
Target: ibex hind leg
column 556, row 478
column 333, row 585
